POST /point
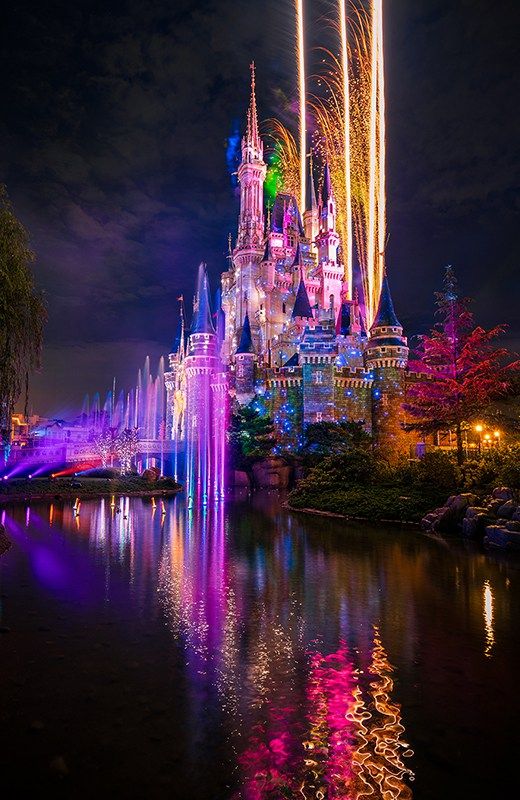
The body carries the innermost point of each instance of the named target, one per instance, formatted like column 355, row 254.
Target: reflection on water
column 488, row 618
column 297, row 650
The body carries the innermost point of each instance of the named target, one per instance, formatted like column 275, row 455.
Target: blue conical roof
column 202, row 322
column 326, row 189
column 246, row 342
column 385, row 316
column 293, row 361
column 302, row 307
column 297, row 260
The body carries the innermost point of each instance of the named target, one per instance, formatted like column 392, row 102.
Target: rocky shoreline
column 493, row 521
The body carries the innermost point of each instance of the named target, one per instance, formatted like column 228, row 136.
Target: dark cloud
column 113, row 147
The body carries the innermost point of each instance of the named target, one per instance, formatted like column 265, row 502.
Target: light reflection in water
column 278, row 635
column 488, row 618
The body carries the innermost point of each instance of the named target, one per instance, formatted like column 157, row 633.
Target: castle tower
column 249, row 249
column 386, row 356
column 329, row 272
column 203, row 368
column 245, row 365
column 327, row 239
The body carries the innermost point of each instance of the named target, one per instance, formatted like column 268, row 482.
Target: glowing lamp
column 479, row 428
column 496, row 434
column 487, row 437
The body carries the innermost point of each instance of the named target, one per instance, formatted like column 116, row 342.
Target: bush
column 368, row 502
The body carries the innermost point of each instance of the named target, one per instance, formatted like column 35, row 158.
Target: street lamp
column 479, row 428
column 496, row 434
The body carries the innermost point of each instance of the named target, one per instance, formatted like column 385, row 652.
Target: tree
column 250, row 435
column 22, row 314
column 327, row 438
column 462, row 369
column 126, row 447
column 106, row 444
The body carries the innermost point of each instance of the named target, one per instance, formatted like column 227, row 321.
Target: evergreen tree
column 250, row 435
column 22, row 314
column 463, row 369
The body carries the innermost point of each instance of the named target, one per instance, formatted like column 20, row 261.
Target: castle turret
column 203, row 373
column 249, row 249
column 386, row 356
column 245, row 365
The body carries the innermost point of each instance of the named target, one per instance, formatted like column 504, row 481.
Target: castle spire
column 310, row 200
column 326, row 190
column 179, row 341
column 386, row 315
column 253, row 138
column 202, row 322
column 246, row 340
column 302, row 307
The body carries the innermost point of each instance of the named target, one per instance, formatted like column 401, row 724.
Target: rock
column 448, row 518
column 474, row 511
column 460, row 502
column 502, row 493
column 494, row 505
column 516, row 515
column 271, row 473
column 475, row 527
column 507, row 509
column 500, row 536
column 241, row 479
column 513, row 525
column 151, row 475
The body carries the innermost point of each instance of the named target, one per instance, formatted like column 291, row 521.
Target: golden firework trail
column 347, row 104
column 300, row 55
column 347, row 244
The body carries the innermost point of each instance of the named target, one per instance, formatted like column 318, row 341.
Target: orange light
column 479, row 428
column 496, row 434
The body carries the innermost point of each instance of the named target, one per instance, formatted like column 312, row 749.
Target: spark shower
column 344, row 105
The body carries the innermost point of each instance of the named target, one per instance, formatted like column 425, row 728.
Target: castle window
column 283, row 308
column 318, row 378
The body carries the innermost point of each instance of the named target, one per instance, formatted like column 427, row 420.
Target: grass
column 41, row 488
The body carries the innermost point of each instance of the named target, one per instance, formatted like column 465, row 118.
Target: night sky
column 113, row 148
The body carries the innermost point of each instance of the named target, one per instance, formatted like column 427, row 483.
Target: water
column 250, row 653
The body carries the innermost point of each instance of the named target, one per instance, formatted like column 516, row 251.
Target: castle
column 287, row 330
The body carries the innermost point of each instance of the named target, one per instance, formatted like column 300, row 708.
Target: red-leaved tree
column 463, row 368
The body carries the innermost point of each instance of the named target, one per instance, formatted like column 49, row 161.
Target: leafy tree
column 22, row 313
column 126, row 446
column 462, row 367
column 250, row 435
column 323, row 439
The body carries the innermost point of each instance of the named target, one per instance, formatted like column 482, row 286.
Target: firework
column 300, row 55
column 347, row 244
